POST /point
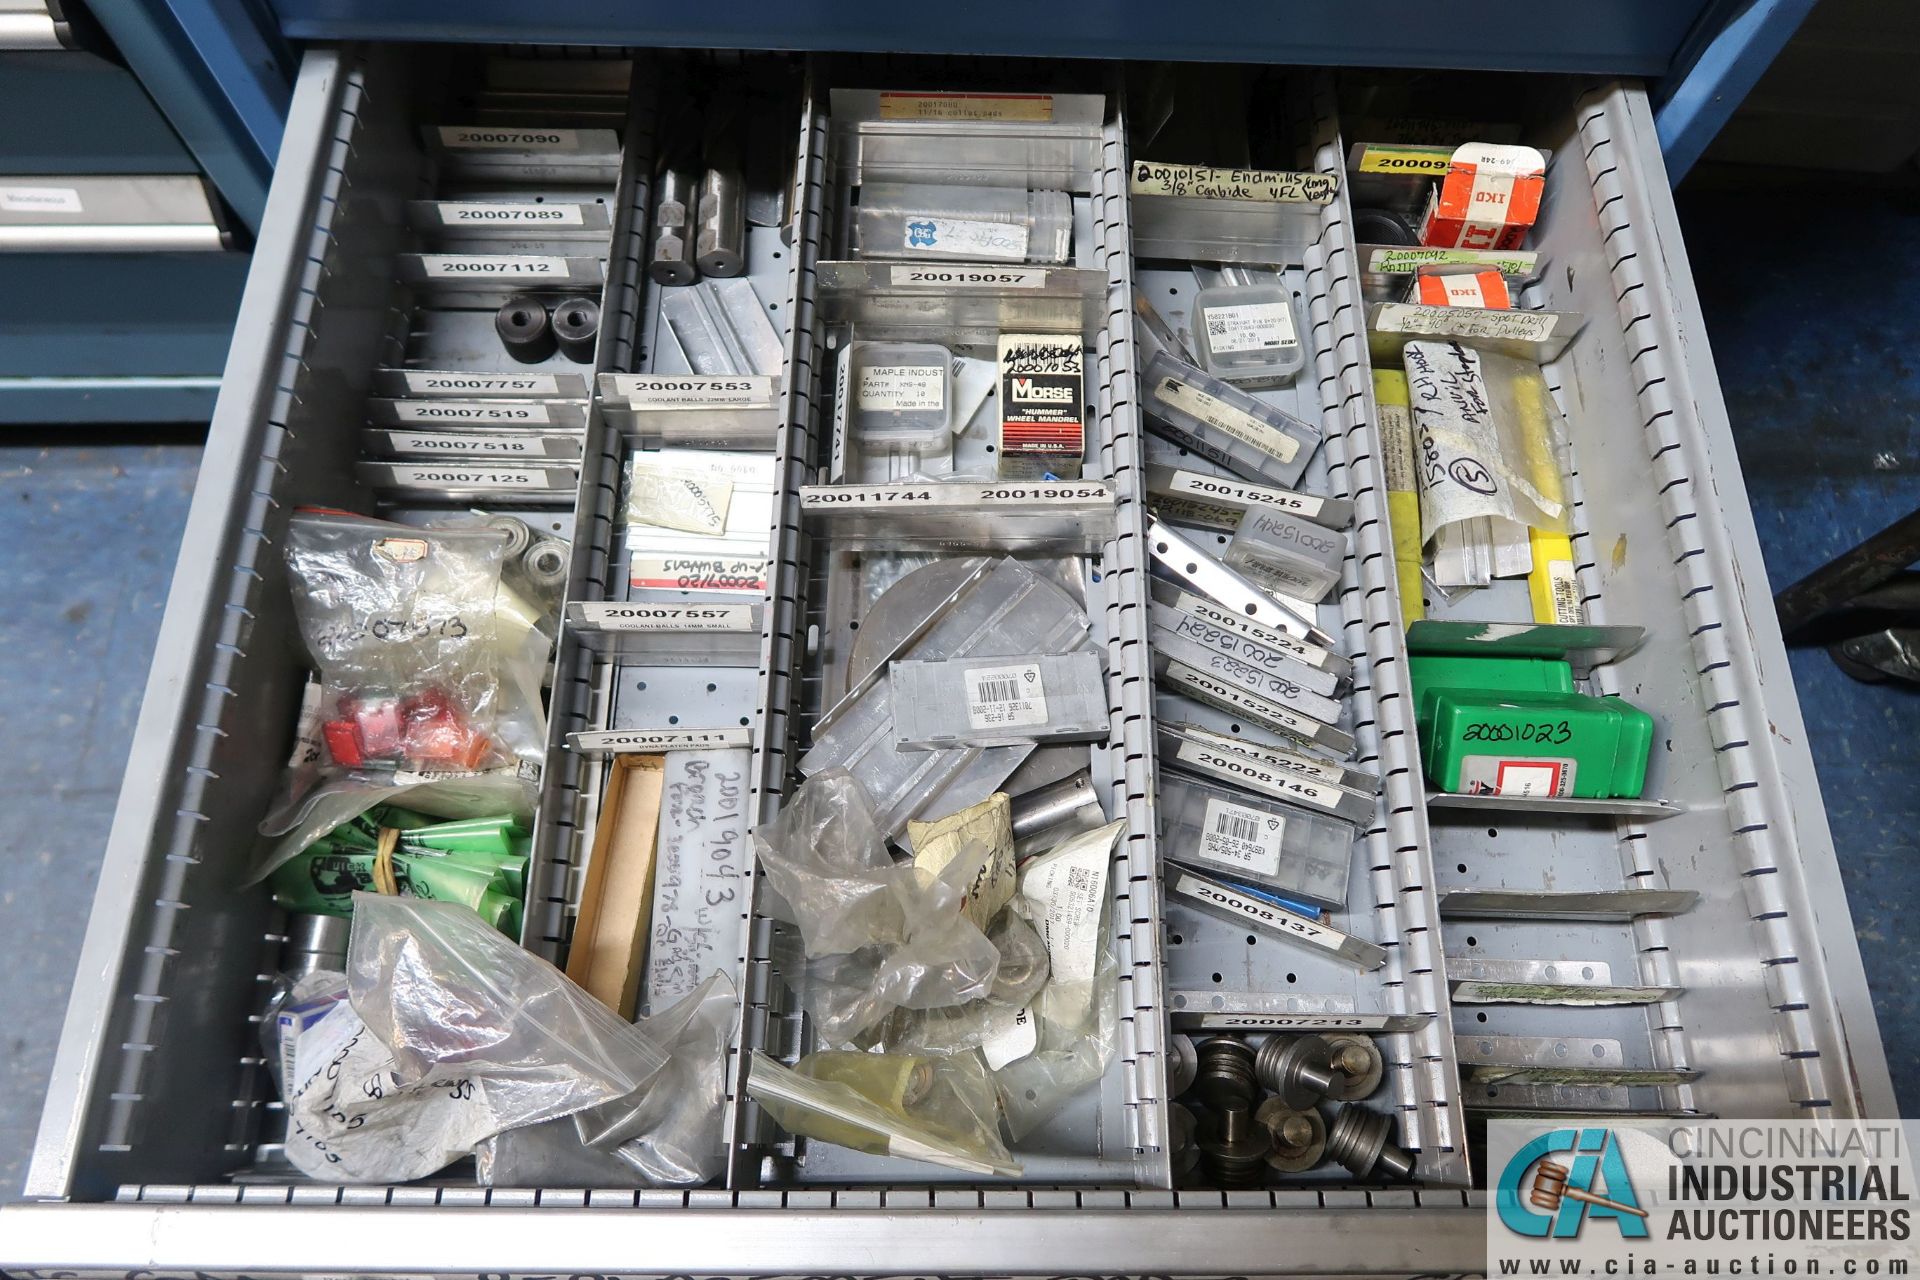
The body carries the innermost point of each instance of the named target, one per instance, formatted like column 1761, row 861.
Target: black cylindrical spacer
column 524, row 329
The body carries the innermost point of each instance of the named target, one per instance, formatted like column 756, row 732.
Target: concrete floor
column 1828, row 416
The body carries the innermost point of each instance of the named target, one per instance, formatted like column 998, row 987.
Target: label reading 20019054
column 948, row 495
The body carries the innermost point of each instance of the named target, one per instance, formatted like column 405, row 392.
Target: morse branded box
column 1042, row 403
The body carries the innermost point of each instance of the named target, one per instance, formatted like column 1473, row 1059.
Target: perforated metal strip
column 570, row 785
column 1124, row 572
column 783, row 643
column 1399, row 845
column 1711, row 598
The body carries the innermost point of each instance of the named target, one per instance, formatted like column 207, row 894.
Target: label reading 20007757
column 424, row 382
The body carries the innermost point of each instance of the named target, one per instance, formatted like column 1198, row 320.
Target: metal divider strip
column 1772, row 880
column 1403, row 848
column 1137, row 939
column 783, row 641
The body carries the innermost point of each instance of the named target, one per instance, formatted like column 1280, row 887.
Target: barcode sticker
column 903, row 388
column 1255, row 326
column 1241, row 838
column 1006, row 697
column 967, row 237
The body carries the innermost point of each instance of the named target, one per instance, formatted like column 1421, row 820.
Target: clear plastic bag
column 1074, row 1041
column 870, row 936
column 671, row 1138
column 451, row 1035
column 937, row 1109
column 430, row 672
column 1066, row 1040
column 955, row 1029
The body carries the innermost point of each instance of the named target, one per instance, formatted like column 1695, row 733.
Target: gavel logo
column 1550, row 1187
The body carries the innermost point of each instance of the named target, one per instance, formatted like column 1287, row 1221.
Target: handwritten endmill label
column 1267, row 186
column 1448, row 322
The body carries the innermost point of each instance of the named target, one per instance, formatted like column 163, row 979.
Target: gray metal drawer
column 156, row 1089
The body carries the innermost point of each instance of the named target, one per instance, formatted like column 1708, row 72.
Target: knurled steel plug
column 1361, row 1140
column 1296, row 1069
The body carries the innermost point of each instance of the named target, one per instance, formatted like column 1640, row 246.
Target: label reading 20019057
column 948, row 276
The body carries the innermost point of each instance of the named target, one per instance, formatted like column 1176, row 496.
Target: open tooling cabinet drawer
column 148, row 1156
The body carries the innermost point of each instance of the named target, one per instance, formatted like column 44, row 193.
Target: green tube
column 325, row 883
column 509, row 870
column 484, row 835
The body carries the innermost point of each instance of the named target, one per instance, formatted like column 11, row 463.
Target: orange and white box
column 1485, row 290
column 1488, row 199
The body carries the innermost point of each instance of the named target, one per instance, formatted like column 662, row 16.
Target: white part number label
column 946, row 277
column 965, row 237
column 451, row 266
column 39, row 200
column 465, row 138
column 903, row 388
column 1242, row 838
column 1255, row 326
column 470, row 213
column 508, row 384
column 464, row 411
column 1006, row 697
